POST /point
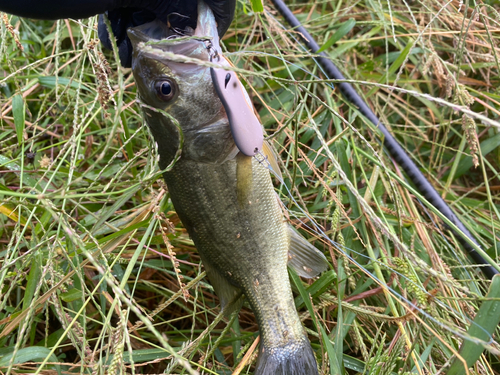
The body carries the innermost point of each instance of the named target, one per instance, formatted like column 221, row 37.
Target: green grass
column 97, row 274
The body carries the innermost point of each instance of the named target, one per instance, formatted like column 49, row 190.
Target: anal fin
column 303, row 257
column 230, row 296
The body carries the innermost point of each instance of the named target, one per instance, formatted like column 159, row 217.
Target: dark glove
column 123, row 14
column 178, row 13
column 58, row 9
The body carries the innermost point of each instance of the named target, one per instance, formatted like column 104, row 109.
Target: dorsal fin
column 303, row 257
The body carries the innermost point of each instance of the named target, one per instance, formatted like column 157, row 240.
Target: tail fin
column 296, row 358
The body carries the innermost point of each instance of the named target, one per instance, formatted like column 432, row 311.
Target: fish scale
column 210, row 211
column 225, row 200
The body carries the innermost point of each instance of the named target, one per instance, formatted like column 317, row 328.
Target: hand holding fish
column 123, row 14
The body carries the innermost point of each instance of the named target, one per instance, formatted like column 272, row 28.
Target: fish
column 224, row 197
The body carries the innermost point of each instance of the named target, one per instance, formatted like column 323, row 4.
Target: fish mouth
column 172, row 39
column 206, row 25
column 158, row 49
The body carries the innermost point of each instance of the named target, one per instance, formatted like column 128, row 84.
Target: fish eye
column 165, row 89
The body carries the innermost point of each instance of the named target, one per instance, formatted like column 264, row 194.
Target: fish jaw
column 194, row 116
column 242, row 238
column 206, row 25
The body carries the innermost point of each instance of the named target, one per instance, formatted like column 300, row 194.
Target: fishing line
column 247, row 52
column 450, row 247
column 263, row 160
column 391, row 144
column 250, row 52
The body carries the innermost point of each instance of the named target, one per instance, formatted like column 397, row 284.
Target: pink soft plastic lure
column 245, row 127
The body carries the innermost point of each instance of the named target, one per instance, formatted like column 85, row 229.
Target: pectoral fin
column 244, row 178
column 229, row 295
column 268, row 151
column 303, row 257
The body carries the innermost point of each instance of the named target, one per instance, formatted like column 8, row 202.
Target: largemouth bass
column 225, row 199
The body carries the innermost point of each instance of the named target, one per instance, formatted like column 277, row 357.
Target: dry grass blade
column 91, row 244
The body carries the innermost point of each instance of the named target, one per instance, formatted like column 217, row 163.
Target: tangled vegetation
column 97, row 274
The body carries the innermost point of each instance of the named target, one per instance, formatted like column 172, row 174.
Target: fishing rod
column 390, row 143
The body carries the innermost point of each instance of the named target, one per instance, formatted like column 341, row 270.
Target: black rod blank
column 390, row 143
